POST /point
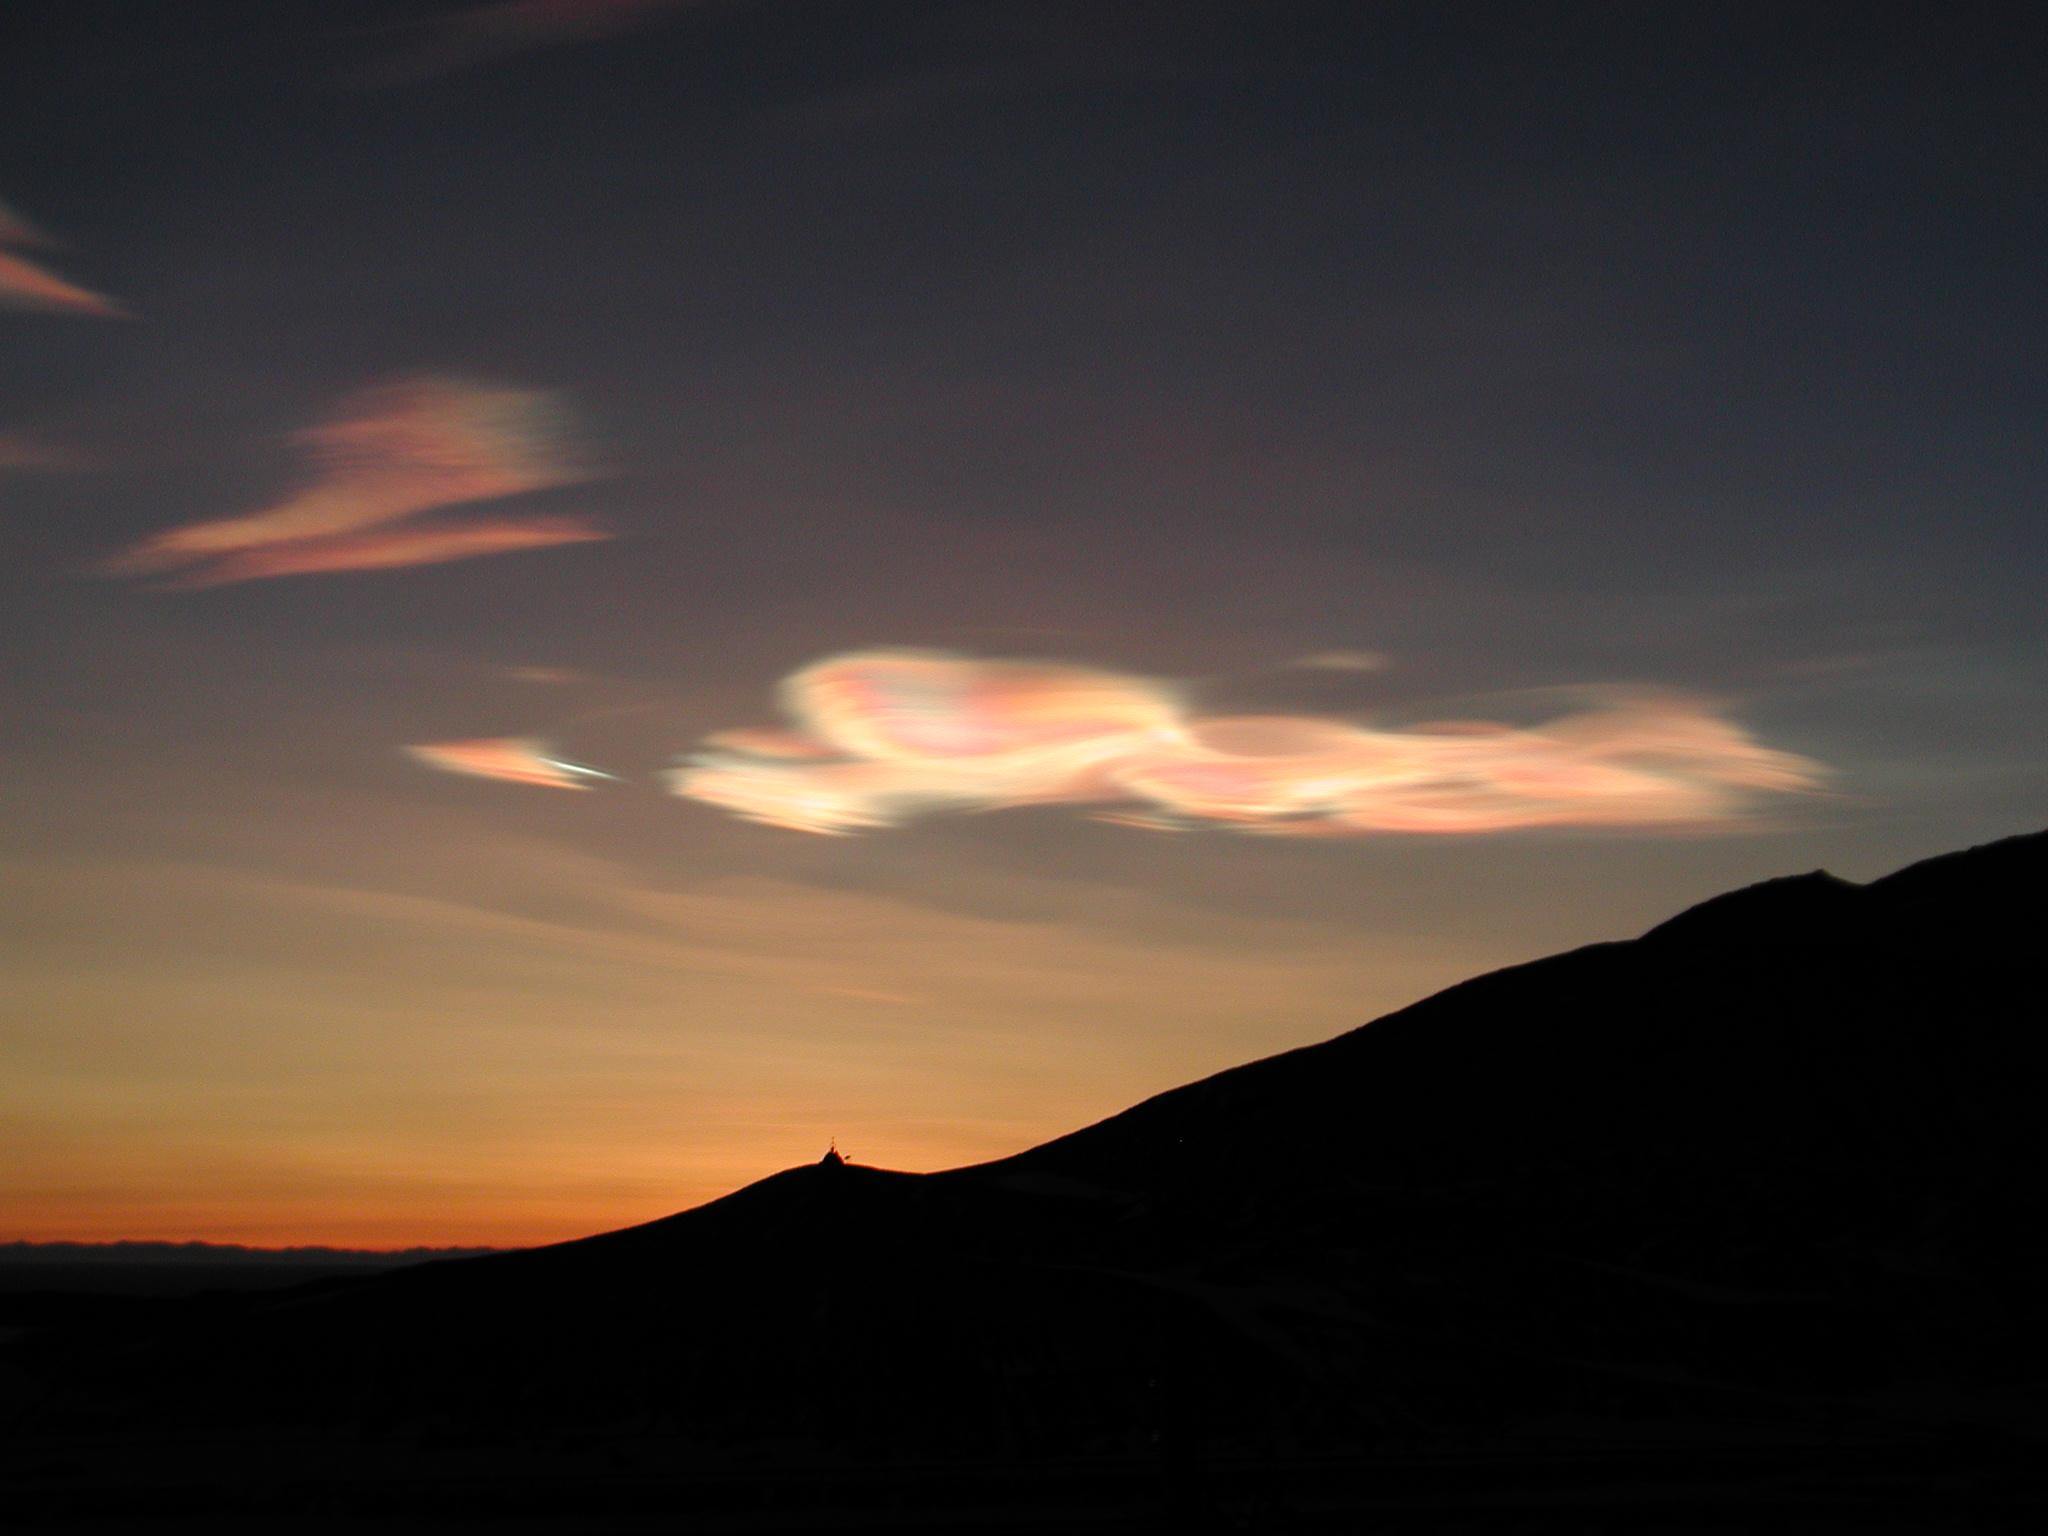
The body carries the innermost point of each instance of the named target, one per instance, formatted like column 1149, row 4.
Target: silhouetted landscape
column 1729, row 1228
column 184, row 1269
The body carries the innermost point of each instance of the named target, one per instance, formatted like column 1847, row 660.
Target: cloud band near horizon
column 884, row 737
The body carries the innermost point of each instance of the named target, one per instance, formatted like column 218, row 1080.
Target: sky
column 959, row 525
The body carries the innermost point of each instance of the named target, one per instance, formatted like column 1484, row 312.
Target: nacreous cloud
column 387, row 455
column 516, row 759
column 24, row 285
column 388, row 549
column 884, row 736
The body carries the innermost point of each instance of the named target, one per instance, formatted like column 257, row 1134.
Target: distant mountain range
column 1775, row 1169
column 222, row 1253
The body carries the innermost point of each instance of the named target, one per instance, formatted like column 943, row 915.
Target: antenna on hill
column 832, row 1159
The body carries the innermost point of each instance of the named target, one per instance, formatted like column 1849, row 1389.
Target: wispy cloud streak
column 386, row 456
column 389, row 550
column 25, row 285
column 886, row 736
column 480, row 34
column 515, row 759
column 18, row 450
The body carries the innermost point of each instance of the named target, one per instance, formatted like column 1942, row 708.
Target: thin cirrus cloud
column 20, row 451
column 25, row 285
column 463, row 39
column 389, row 550
column 386, row 456
column 884, row 737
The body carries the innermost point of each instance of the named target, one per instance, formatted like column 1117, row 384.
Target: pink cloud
column 25, row 285
column 385, row 456
column 515, row 759
column 883, row 737
column 430, row 544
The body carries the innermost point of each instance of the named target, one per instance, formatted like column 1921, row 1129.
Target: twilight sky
column 405, row 374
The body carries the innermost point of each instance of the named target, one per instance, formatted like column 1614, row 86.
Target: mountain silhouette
column 1771, row 1172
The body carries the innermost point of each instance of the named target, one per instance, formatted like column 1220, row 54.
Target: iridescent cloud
column 388, row 549
column 24, row 285
column 516, row 759
column 884, row 736
column 389, row 454
column 1342, row 661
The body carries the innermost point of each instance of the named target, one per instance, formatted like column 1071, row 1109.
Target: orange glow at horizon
column 458, row 1036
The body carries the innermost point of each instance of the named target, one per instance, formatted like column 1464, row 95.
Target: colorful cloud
column 1343, row 661
column 387, row 455
column 885, row 736
column 515, row 759
column 24, row 285
column 389, row 549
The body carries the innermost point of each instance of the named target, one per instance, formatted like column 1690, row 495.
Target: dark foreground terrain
column 1732, row 1228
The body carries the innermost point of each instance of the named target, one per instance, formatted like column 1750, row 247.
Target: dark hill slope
column 1775, row 1166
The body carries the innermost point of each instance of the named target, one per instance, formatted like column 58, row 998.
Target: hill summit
column 1773, row 1168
